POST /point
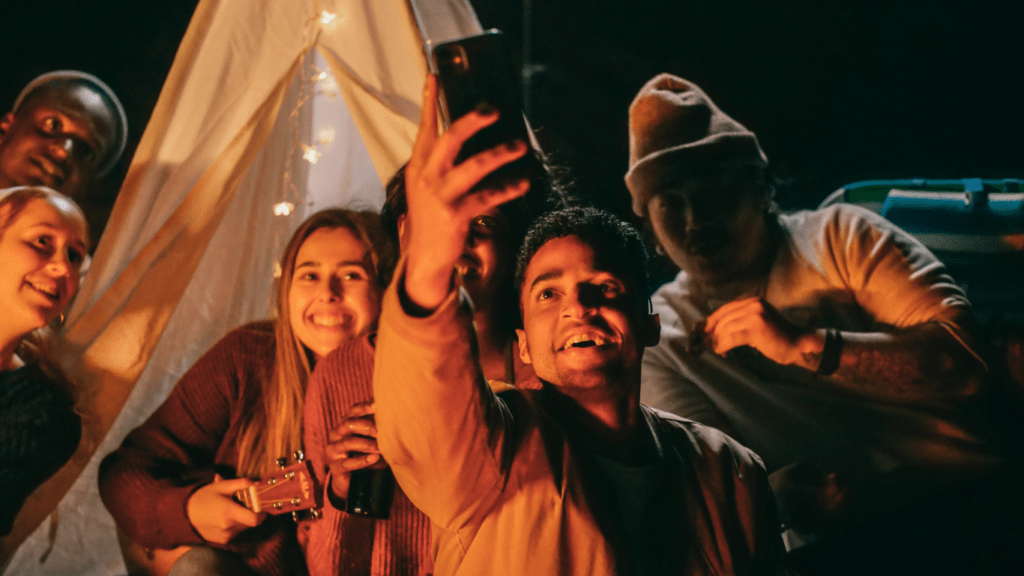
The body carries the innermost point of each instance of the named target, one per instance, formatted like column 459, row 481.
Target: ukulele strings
column 269, row 487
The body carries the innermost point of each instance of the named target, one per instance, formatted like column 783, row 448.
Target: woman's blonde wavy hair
column 272, row 425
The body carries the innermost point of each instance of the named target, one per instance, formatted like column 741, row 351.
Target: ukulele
column 289, row 489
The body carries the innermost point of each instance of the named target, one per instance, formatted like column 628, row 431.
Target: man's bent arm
column 919, row 347
column 920, row 363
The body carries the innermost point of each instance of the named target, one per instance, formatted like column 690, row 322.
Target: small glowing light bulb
column 283, row 208
column 328, row 20
column 310, row 154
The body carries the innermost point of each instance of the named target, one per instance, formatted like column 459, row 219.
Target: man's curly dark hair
column 618, row 247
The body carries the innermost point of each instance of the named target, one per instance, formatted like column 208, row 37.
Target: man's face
column 712, row 227
column 56, row 139
column 581, row 326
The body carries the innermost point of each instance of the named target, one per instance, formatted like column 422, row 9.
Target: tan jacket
column 503, row 484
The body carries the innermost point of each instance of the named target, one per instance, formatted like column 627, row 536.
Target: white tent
column 273, row 109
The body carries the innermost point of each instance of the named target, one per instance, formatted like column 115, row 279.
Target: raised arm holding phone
column 575, row 478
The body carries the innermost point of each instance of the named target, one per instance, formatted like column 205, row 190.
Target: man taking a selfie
column 574, row 478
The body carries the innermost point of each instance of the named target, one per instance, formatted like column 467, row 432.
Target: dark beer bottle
column 371, row 490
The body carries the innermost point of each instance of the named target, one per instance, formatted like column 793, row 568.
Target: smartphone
column 477, row 71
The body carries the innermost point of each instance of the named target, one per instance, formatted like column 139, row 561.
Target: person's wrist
column 334, row 495
column 809, row 347
column 425, row 286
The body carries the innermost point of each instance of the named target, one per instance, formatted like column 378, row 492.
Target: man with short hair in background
column 66, row 129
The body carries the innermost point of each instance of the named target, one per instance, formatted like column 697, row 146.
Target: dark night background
column 835, row 91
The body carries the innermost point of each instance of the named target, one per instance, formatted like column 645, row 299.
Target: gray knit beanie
column 675, row 130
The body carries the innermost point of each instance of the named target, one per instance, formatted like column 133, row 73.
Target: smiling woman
column 332, row 261
column 42, row 246
column 170, row 486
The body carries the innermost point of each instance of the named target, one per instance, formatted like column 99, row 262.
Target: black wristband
column 831, row 352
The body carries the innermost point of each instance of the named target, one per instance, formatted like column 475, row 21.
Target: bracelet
column 831, row 352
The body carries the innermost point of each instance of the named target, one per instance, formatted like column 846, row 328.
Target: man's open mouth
column 585, row 340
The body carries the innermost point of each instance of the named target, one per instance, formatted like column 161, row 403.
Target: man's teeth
column 584, row 341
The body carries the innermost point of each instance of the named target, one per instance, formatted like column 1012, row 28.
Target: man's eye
column 545, row 294
column 51, row 125
column 352, row 276
column 75, row 257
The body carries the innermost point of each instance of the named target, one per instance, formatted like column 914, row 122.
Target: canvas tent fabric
column 273, row 109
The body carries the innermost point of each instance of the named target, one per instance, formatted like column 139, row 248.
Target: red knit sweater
column 146, row 483
column 401, row 544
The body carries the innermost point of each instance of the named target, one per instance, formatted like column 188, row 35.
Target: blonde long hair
column 272, row 425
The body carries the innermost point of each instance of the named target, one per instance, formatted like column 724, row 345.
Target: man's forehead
column 565, row 255
column 709, row 181
column 79, row 102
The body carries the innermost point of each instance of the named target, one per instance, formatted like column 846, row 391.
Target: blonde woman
column 239, row 408
column 43, row 241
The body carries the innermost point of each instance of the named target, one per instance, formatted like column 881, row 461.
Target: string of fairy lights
column 312, row 82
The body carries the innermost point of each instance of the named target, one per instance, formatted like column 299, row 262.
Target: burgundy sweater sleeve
column 401, row 544
column 147, row 482
column 340, row 379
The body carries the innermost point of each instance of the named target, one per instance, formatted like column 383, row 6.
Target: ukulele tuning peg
column 300, row 455
column 295, row 515
column 281, row 463
column 314, row 513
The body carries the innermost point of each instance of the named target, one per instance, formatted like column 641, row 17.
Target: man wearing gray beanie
column 830, row 342
column 66, row 128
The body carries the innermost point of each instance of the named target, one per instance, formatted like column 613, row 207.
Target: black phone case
column 477, row 71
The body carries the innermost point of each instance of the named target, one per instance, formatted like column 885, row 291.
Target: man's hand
column 355, row 433
column 214, row 513
column 441, row 201
column 756, row 323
